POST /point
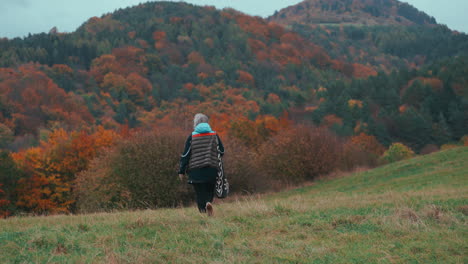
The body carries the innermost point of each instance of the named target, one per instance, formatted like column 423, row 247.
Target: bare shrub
column 428, row 149
column 147, row 166
column 138, row 173
column 354, row 156
column 96, row 190
column 299, row 154
column 240, row 165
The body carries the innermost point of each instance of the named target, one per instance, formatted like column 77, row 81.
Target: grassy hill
column 413, row 211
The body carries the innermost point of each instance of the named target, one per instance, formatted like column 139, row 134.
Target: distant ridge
column 357, row 12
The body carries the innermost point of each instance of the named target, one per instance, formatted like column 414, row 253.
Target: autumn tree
column 52, row 168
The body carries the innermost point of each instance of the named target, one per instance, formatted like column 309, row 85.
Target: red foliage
column 52, row 168
column 368, row 143
column 256, row 45
column 97, row 25
column 246, row 78
column 62, row 69
column 436, row 84
column 254, row 25
column 331, row 120
column 35, row 98
column 301, row 153
column 159, row 36
column 122, row 61
column 195, row 58
column 131, row 34
column 362, row 71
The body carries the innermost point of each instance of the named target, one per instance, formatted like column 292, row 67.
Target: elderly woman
column 200, row 161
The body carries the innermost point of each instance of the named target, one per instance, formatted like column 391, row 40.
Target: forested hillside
column 386, row 34
column 353, row 12
column 75, row 107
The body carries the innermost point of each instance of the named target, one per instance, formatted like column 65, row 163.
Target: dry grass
column 396, row 214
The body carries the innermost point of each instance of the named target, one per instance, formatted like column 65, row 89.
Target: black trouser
column 204, row 193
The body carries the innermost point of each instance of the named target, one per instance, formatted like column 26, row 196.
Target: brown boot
column 209, row 209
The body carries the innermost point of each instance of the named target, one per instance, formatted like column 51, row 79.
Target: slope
column 411, row 211
column 386, row 34
column 137, row 63
column 164, row 61
column 353, row 12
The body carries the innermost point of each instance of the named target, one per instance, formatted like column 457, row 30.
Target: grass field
column 413, row 211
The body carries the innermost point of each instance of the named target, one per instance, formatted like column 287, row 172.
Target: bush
column 96, row 189
column 139, row 173
column 397, row 152
column 449, row 146
column 428, row 149
column 361, row 150
column 464, row 140
column 299, row 154
column 241, row 168
column 354, row 156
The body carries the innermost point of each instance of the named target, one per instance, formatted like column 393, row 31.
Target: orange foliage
column 355, row 103
column 35, row 98
column 436, row 84
column 143, row 43
column 362, row 71
column 209, row 42
column 276, row 30
column 159, row 36
column 403, row 108
column 195, row 58
column 246, row 78
column 273, row 98
column 310, row 108
column 189, row 86
column 138, row 87
column 299, row 154
column 112, row 80
column 97, row 25
column 256, row 45
column 53, row 165
column 62, row 69
column 331, row 120
column 175, row 20
column 368, row 143
column 202, row 75
column 131, row 59
column 104, row 65
column 131, row 34
column 253, row 25
column 464, row 140
column 122, row 61
column 271, row 124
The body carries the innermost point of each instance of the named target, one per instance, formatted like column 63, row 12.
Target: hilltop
column 411, row 211
column 387, row 34
column 353, row 12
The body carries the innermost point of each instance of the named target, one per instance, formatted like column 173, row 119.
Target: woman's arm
column 185, row 157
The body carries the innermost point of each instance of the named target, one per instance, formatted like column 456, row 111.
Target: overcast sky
column 20, row 17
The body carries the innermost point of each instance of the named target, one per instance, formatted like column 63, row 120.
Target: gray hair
column 199, row 118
